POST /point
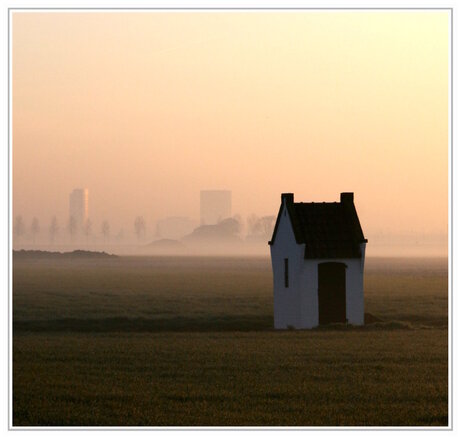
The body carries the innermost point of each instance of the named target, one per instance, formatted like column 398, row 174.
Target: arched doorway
column 332, row 292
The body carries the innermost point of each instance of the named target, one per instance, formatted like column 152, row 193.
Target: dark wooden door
column 331, row 292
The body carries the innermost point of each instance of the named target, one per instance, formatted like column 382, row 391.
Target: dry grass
column 168, row 341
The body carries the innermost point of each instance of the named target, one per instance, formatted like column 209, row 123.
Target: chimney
column 287, row 198
column 346, row 198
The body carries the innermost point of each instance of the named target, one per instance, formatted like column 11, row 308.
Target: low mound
column 77, row 254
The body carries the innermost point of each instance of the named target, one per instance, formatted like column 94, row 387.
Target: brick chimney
column 287, row 198
column 346, row 198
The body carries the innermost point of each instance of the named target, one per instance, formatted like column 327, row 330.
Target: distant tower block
column 78, row 206
column 215, row 206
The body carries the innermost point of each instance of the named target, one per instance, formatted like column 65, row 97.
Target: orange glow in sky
column 145, row 109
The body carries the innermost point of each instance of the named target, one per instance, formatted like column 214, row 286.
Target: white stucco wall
column 297, row 305
column 309, row 298
column 286, row 307
column 355, row 289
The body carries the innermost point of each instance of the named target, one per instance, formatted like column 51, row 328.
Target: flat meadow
column 188, row 341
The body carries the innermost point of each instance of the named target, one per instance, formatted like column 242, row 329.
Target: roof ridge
column 328, row 229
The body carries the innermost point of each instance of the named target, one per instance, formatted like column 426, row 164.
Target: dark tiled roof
column 328, row 229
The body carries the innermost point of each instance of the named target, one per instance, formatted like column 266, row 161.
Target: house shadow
column 217, row 323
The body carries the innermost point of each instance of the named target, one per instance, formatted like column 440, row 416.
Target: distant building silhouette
column 225, row 231
column 215, row 206
column 78, row 206
column 175, row 227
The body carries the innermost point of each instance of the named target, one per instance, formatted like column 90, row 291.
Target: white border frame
column 11, row 6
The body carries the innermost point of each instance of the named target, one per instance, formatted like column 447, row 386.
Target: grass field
column 157, row 341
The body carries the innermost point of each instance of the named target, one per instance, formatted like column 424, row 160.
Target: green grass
column 188, row 341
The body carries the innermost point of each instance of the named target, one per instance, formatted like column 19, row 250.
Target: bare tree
column 252, row 224
column 54, row 229
column 120, row 236
column 139, row 227
column 260, row 226
column 34, row 228
column 72, row 227
column 267, row 223
column 105, row 230
column 237, row 218
column 19, row 228
column 87, row 229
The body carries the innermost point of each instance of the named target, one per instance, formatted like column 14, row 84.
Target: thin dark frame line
column 10, row 310
column 236, row 8
column 172, row 9
column 234, row 428
column 451, row 416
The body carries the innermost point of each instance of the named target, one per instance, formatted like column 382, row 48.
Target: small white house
column 317, row 252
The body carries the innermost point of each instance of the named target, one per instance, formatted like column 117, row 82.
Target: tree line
column 71, row 229
column 256, row 228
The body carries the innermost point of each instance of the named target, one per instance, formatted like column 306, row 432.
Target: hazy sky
column 147, row 108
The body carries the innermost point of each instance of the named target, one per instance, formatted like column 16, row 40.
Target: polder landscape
column 156, row 153
column 189, row 341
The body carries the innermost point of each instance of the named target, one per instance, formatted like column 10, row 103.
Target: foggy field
column 160, row 341
column 212, row 293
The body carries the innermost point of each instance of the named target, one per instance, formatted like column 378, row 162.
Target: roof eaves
column 270, row 242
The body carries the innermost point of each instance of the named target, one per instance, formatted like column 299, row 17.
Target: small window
column 286, row 273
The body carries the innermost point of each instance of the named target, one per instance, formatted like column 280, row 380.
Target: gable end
column 328, row 229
